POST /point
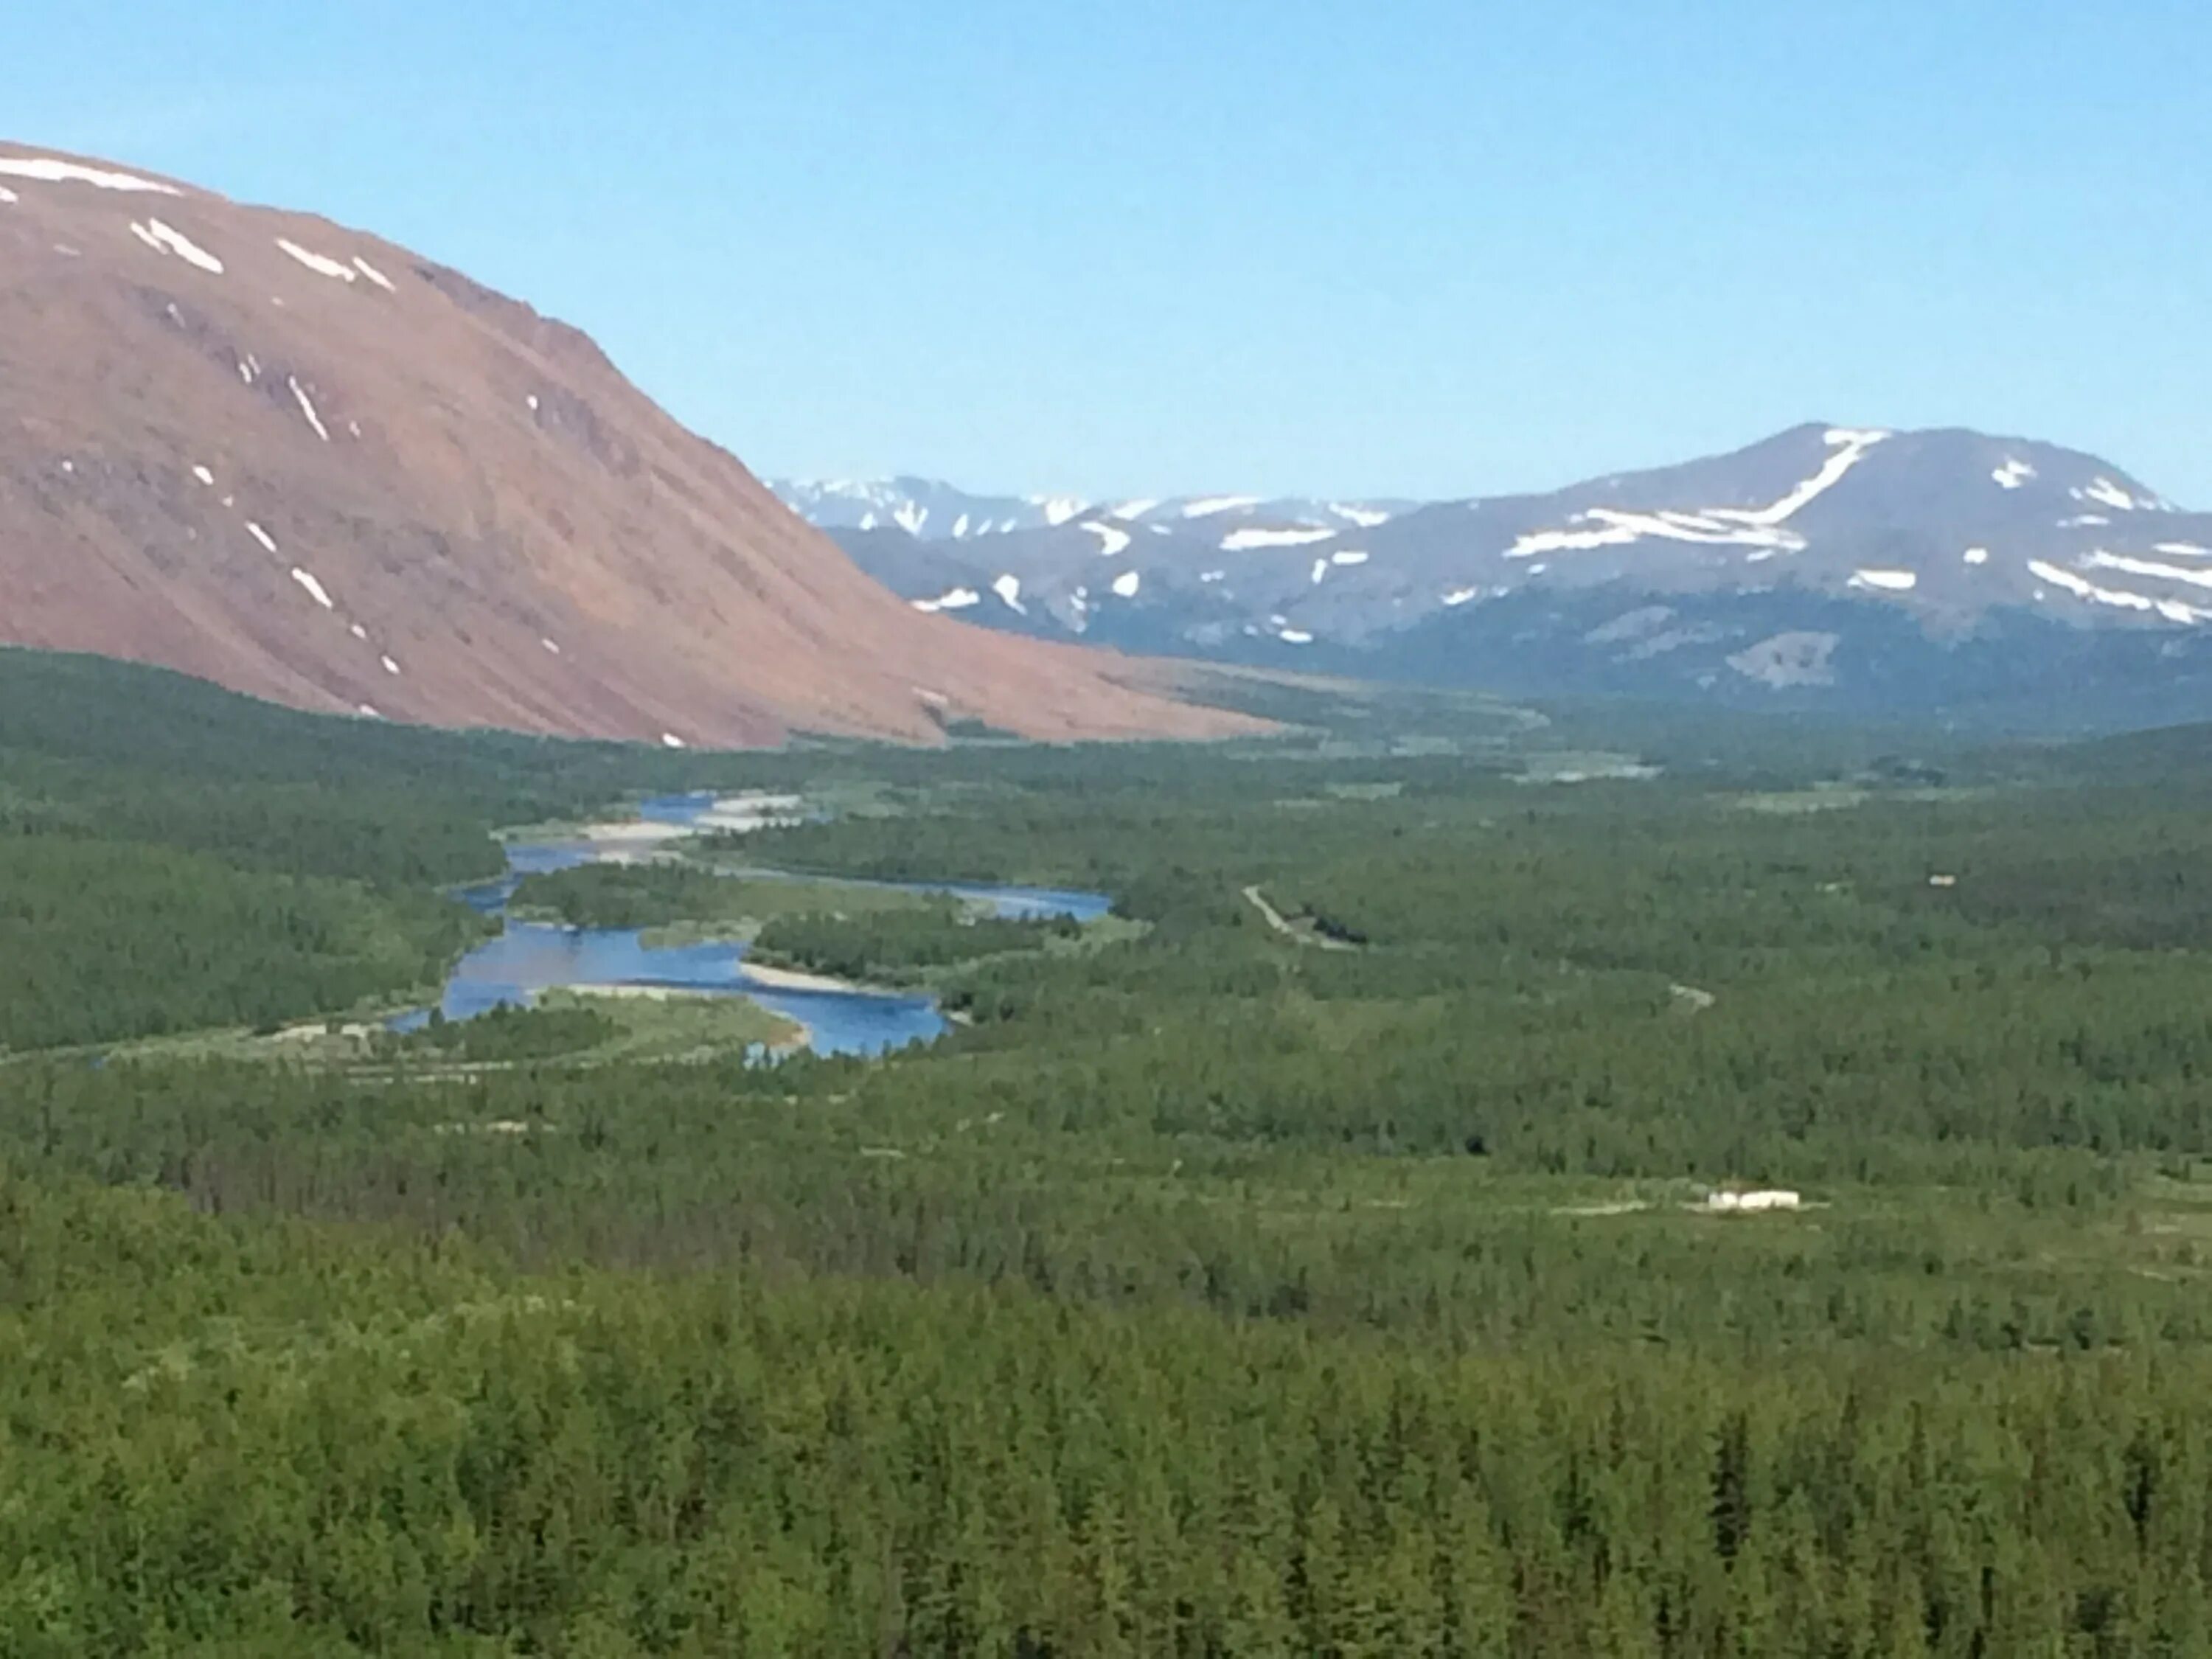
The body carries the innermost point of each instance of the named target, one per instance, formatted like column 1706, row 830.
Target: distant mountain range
column 1826, row 567
column 301, row 461
column 930, row 511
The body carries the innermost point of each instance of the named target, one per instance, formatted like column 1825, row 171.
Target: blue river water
column 531, row 957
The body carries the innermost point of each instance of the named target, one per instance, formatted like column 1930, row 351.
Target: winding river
column 530, row 957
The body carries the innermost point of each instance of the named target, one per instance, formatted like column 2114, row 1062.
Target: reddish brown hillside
column 309, row 464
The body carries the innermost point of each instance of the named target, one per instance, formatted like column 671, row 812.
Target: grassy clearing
column 644, row 1026
column 675, row 1027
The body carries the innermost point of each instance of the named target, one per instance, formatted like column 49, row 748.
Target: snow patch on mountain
column 2101, row 560
column 1887, row 582
column 315, row 590
column 51, row 170
column 1758, row 527
column 307, row 407
column 1850, row 449
column 1619, row 529
column 321, row 265
column 2105, row 493
column 958, row 598
column 2123, row 599
column 1111, row 541
column 1244, row 541
column 166, row 239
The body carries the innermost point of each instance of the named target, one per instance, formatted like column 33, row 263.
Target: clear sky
column 1425, row 247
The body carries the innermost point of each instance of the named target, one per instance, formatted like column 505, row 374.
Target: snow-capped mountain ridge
column 1935, row 536
column 931, row 510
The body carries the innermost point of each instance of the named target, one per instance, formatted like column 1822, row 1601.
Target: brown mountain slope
column 308, row 465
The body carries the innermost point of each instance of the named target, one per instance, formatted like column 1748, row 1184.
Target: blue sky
column 1405, row 246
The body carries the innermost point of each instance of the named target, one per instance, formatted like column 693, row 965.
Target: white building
column 1733, row 1203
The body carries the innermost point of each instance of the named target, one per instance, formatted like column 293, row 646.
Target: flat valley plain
column 1334, row 1272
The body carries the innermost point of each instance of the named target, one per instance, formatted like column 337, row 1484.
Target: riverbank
column 777, row 978
column 662, row 936
column 661, row 823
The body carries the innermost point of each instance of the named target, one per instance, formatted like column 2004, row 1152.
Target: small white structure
column 1943, row 881
column 1731, row 1203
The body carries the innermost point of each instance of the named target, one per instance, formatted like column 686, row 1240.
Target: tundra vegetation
column 1203, row 1292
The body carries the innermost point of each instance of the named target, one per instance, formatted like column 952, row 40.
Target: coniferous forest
column 1314, row 1257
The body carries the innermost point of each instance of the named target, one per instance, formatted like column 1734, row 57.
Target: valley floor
column 1201, row 1291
